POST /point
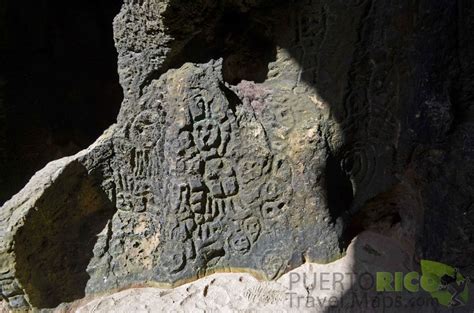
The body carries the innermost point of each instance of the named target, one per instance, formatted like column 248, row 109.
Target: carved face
column 272, row 209
column 145, row 130
column 206, row 134
column 251, row 169
column 240, row 242
column 252, row 228
column 284, row 117
column 272, row 190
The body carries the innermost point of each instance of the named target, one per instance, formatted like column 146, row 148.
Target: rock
column 310, row 288
column 254, row 135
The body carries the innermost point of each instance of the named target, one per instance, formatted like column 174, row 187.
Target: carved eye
column 199, row 130
column 272, row 209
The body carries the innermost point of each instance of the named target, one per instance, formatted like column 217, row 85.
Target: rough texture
column 233, row 292
column 257, row 135
column 368, row 253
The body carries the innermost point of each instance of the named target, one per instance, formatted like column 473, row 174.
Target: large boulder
column 254, row 136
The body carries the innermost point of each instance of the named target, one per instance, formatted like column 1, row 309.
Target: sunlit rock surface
column 256, row 136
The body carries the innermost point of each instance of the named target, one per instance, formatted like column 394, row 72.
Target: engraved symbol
column 206, row 134
column 360, row 163
column 251, row 169
column 272, row 264
column 173, row 260
column 197, row 108
column 252, row 228
column 272, row 190
column 272, row 209
column 144, row 129
column 179, row 198
column 220, row 178
column 239, row 242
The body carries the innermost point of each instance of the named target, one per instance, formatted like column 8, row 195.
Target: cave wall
column 446, row 165
column 259, row 135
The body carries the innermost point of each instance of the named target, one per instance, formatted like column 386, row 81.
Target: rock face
column 254, row 135
column 240, row 291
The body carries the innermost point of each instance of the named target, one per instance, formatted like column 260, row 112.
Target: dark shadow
column 55, row 245
column 434, row 215
column 340, row 196
column 59, row 66
column 339, row 187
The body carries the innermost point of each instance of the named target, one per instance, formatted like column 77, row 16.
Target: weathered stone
column 314, row 288
column 250, row 135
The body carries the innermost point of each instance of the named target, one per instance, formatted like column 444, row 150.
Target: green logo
column 452, row 288
column 443, row 282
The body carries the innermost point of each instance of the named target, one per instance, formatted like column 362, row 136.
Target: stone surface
column 257, row 136
column 300, row 290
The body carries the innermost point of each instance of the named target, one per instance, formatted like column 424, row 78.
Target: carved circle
column 360, row 164
column 239, row 242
